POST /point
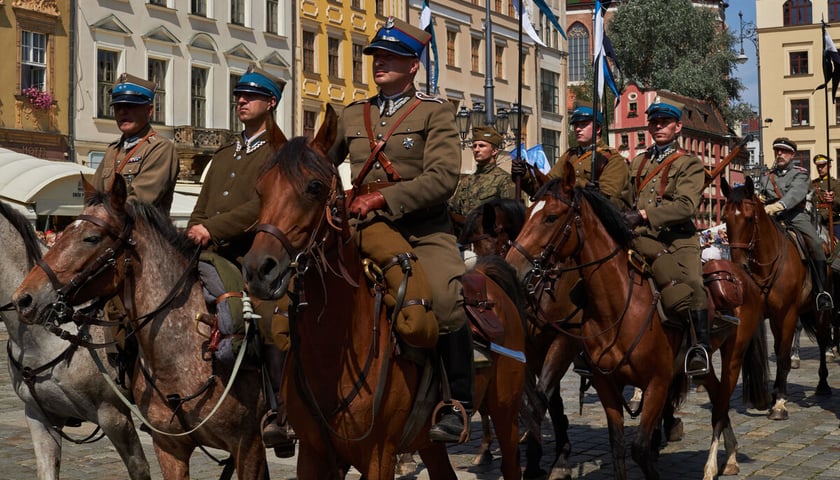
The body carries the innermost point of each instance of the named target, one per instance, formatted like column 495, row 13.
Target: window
column 625, row 140
column 308, row 52
column 357, row 4
column 358, row 63
column 837, row 116
column 333, row 44
column 550, row 144
column 633, row 109
column 106, row 76
column 271, row 15
column 380, row 7
column 199, row 97
column 549, row 91
column 578, row 52
column 499, row 61
column 157, row 74
column 198, row 7
column 309, row 120
column 803, row 159
column 796, row 12
column 798, row 63
column 640, row 139
column 451, row 38
column 234, row 123
column 475, row 59
column 33, row 60
column 833, row 10
column 237, row 12
column 162, row 3
column 497, row 6
column 800, row 115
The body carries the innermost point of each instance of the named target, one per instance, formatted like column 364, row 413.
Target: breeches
column 807, row 230
column 439, row 255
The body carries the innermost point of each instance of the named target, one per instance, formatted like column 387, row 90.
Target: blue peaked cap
column 663, row 110
column 399, row 38
column 258, row 81
column 132, row 90
column 585, row 114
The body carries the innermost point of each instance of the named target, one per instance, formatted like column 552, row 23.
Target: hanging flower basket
column 40, row 100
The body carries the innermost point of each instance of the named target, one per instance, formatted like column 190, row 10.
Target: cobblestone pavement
column 805, row 447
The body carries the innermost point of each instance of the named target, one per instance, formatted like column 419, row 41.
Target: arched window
column 579, row 57
column 833, row 10
column 796, row 12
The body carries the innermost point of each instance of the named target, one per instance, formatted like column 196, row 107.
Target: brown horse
column 622, row 332
column 489, row 227
column 763, row 248
column 350, row 391
column 133, row 251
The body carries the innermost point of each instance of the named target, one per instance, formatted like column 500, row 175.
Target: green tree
column 672, row 45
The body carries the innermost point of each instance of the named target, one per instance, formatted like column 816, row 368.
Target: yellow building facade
column 35, row 105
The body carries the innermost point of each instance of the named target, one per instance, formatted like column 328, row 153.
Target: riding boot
column 456, row 352
column 824, row 301
column 697, row 358
column 277, row 433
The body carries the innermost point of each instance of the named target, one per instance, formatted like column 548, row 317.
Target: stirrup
column 700, row 371
column 581, row 366
column 824, row 301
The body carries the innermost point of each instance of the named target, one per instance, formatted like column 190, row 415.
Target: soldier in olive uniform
column 824, row 189
column 146, row 160
column 489, row 181
column 784, row 189
column 407, row 185
column 228, row 204
column 667, row 184
column 613, row 176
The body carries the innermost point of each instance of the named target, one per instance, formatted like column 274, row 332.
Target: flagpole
column 595, row 100
column 517, row 135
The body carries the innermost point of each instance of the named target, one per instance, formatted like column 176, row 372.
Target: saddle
column 484, row 323
column 725, row 289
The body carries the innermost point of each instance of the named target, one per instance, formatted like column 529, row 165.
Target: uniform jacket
column 675, row 210
column 612, row 180
column 150, row 173
column 424, row 150
column 793, row 184
column 489, row 182
column 820, row 187
column 228, row 203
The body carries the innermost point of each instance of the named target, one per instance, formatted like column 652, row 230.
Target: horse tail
column 678, row 391
column 810, row 323
column 501, row 272
column 756, row 370
column 534, row 405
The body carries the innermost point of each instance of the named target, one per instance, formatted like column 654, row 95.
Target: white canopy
column 42, row 187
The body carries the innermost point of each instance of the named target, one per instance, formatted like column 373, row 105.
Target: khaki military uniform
column 670, row 213
column 228, row 203
column 790, row 186
column 821, row 186
column 489, row 182
column 425, row 152
column 150, row 171
column 613, row 179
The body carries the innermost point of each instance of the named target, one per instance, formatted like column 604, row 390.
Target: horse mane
column 738, row 194
column 22, row 225
column 503, row 273
column 608, row 214
column 514, row 212
column 295, row 157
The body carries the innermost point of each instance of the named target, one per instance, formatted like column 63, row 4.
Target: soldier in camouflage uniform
column 402, row 190
column 613, row 176
column 667, row 184
column 784, row 189
column 146, row 160
column 489, row 182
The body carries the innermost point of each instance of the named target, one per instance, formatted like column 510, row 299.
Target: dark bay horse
column 489, row 227
column 762, row 247
column 133, row 251
column 61, row 383
column 349, row 393
column 622, row 332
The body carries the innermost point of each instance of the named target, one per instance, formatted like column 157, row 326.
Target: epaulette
column 429, row 98
column 801, row 168
column 360, row 102
column 225, row 145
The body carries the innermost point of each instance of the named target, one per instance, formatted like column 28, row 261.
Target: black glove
column 518, row 168
column 632, row 219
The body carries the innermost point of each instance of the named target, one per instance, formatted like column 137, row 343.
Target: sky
column 747, row 72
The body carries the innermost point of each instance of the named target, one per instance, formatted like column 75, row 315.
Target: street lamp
column 748, row 30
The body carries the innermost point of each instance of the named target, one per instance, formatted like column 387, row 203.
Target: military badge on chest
column 408, row 143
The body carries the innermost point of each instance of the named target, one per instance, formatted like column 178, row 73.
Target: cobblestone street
column 805, row 447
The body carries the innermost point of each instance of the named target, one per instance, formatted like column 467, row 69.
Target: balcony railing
column 205, row 140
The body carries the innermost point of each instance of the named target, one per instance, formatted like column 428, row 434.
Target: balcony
column 198, row 140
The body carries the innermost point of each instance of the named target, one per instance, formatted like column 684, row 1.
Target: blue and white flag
column 603, row 51
column 527, row 26
column 537, row 158
column 518, row 153
column 546, row 10
column 427, row 25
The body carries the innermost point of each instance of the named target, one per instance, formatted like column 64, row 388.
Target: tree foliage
column 672, row 45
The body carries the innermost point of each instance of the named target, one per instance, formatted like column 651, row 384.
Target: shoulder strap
column 775, row 187
column 377, row 145
column 666, row 164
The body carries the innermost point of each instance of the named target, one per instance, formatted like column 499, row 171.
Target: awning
column 43, row 187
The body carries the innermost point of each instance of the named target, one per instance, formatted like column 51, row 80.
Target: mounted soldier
column 783, row 189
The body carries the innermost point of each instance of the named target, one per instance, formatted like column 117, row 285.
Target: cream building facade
column 195, row 50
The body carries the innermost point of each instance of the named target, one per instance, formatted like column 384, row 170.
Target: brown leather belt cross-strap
column 376, row 146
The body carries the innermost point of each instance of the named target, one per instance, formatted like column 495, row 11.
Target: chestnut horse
column 131, row 250
column 349, row 390
column 764, row 249
column 622, row 332
column 57, row 381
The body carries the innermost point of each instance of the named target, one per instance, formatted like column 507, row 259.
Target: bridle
column 766, row 283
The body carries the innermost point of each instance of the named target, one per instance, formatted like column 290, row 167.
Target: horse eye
column 315, row 187
column 551, row 218
column 93, row 239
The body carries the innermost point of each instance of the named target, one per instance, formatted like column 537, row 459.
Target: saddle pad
column 483, row 320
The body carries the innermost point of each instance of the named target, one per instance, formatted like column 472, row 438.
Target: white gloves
column 774, row 208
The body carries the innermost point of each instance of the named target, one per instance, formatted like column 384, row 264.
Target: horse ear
column 568, row 177
column 750, row 186
column 118, row 194
column 325, row 138
column 724, row 186
column 89, row 189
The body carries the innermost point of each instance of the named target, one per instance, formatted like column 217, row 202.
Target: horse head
column 83, row 264
column 742, row 214
column 301, row 195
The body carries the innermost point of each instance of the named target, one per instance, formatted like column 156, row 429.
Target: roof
column 44, row 186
